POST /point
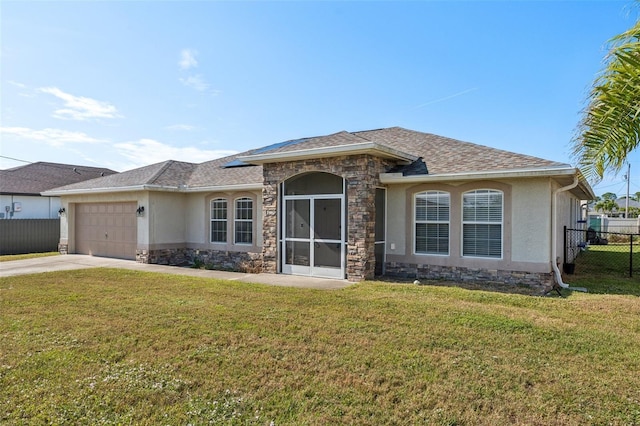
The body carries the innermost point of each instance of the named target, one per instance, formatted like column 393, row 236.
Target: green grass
column 9, row 257
column 106, row 346
column 605, row 269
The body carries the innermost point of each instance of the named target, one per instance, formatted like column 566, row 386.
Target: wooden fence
column 18, row 236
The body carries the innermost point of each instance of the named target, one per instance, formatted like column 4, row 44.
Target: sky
column 124, row 84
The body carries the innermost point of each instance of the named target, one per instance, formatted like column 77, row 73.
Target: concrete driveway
column 79, row 261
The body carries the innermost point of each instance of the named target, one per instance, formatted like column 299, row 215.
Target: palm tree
column 610, row 126
column 607, row 206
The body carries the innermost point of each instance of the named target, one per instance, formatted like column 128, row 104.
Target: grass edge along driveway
column 107, row 346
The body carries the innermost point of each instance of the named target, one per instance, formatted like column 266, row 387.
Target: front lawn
column 106, row 346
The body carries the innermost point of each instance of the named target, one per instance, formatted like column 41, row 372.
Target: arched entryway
column 313, row 225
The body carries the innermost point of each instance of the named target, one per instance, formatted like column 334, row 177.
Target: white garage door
column 107, row 229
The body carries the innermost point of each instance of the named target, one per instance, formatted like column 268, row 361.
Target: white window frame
column 426, row 195
column 237, row 220
column 489, row 221
column 225, row 220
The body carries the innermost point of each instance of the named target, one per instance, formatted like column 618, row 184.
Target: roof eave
column 219, row 188
column 562, row 171
column 390, row 178
column 584, row 190
column 81, row 191
column 331, row 151
column 157, row 188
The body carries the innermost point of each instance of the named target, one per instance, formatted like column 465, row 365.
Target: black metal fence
column 19, row 236
column 591, row 252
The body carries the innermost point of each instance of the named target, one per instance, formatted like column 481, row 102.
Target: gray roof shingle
column 168, row 173
column 34, row 178
column 441, row 155
column 446, row 155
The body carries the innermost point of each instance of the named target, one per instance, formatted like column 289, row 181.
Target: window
column 219, row 220
column 482, row 223
column 432, row 222
column 244, row 221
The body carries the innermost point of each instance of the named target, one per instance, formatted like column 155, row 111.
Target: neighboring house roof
column 622, row 202
column 35, row 178
column 418, row 154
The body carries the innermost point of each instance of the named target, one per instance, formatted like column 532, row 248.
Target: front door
column 313, row 241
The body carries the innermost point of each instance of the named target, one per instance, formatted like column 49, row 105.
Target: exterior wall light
column 140, row 210
column 61, row 211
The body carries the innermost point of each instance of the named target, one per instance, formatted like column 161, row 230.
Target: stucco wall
column 527, row 227
column 197, row 217
column 531, row 221
column 166, row 217
column 170, row 220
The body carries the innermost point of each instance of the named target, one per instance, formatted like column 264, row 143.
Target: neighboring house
column 20, row 188
column 622, row 205
column 346, row 205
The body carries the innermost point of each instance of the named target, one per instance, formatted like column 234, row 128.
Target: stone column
column 269, row 222
column 361, row 173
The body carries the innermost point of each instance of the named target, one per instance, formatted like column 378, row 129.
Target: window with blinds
column 243, row 222
column 432, row 222
column 219, row 220
column 482, row 212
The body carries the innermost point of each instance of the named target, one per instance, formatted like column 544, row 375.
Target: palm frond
column 610, row 126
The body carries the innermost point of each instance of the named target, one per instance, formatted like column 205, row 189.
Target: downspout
column 554, row 230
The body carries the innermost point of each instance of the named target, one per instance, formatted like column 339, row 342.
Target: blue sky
column 126, row 84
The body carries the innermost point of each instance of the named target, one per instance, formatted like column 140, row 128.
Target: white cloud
column 188, row 59
column 54, row 137
column 25, row 91
column 195, row 82
column 80, row 107
column 17, row 84
column 185, row 127
column 148, row 151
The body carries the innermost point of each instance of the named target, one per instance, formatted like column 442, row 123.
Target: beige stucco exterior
column 69, row 202
column 177, row 220
column 527, row 224
column 170, row 219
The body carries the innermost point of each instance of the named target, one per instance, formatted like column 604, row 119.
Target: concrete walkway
column 79, row 261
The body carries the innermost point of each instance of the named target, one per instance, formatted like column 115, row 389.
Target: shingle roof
column 622, row 202
column 214, row 173
column 34, row 178
column 335, row 139
column 440, row 154
column 168, row 173
column 446, row 155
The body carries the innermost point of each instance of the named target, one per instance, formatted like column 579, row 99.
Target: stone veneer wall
column 210, row 259
column 543, row 282
column 361, row 173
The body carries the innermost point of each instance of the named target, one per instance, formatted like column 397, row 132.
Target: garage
column 107, row 229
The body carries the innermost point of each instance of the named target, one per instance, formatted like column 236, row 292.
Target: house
column 21, row 187
column 347, row 205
